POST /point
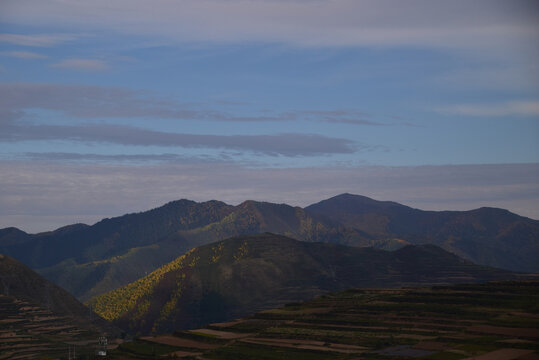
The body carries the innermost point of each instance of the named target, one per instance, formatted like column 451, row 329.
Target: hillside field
column 493, row 321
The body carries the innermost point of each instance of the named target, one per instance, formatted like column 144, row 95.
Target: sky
column 116, row 106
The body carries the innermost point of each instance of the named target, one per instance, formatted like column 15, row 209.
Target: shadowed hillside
column 38, row 318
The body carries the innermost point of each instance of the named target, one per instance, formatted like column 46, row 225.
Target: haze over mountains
column 91, row 260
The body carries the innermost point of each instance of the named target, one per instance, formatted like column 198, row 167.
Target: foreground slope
column 487, row 236
column 410, row 323
column 238, row 276
column 38, row 317
column 23, row 283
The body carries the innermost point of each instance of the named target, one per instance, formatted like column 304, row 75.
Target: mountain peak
column 353, row 203
column 11, row 231
column 180, row 202
column 247, row 203
column 256, row 203
column 12, row 235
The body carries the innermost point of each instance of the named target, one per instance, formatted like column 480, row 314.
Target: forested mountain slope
column 242, row 275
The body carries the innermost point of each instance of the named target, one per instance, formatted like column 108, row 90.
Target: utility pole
column 74, row 352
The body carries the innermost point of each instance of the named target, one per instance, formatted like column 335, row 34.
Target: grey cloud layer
column 76, row 192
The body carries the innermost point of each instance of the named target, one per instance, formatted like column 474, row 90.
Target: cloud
column 36, row 40
column 514, row 76
column 479, row 24
column 509, row 108
column 41, row 195
column 23, row 54
column 117, row 158
column 341, row 117
column 82, row 64
column 273, row 145
column 330, row 116
column 87, row 101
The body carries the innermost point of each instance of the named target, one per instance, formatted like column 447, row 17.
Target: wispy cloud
column 273, row 145
column 522, row 75
column 87, row 101
column 509, row 108
column 23, row 54
column 118, row 158
column 82, row 64
column 341, row 117
column 37, row 40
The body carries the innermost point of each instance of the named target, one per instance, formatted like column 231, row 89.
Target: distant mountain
column 20, row 283
column 91, row 260
column 242, row 275
column 488, row 236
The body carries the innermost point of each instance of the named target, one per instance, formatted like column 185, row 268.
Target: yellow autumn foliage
column 114, row 304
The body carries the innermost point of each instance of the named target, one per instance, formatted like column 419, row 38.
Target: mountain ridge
column 88, row 260
column 489, row 236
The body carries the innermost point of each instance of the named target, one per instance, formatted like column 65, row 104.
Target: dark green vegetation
column 239, row 276
column 496, row 321
column 38, row 319
column 91, row 260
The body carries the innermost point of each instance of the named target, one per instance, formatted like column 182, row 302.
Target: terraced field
column 28, row 331
column 495, row 321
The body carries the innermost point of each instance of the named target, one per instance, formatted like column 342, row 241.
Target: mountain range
column 239, row 276
column 92, row 260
